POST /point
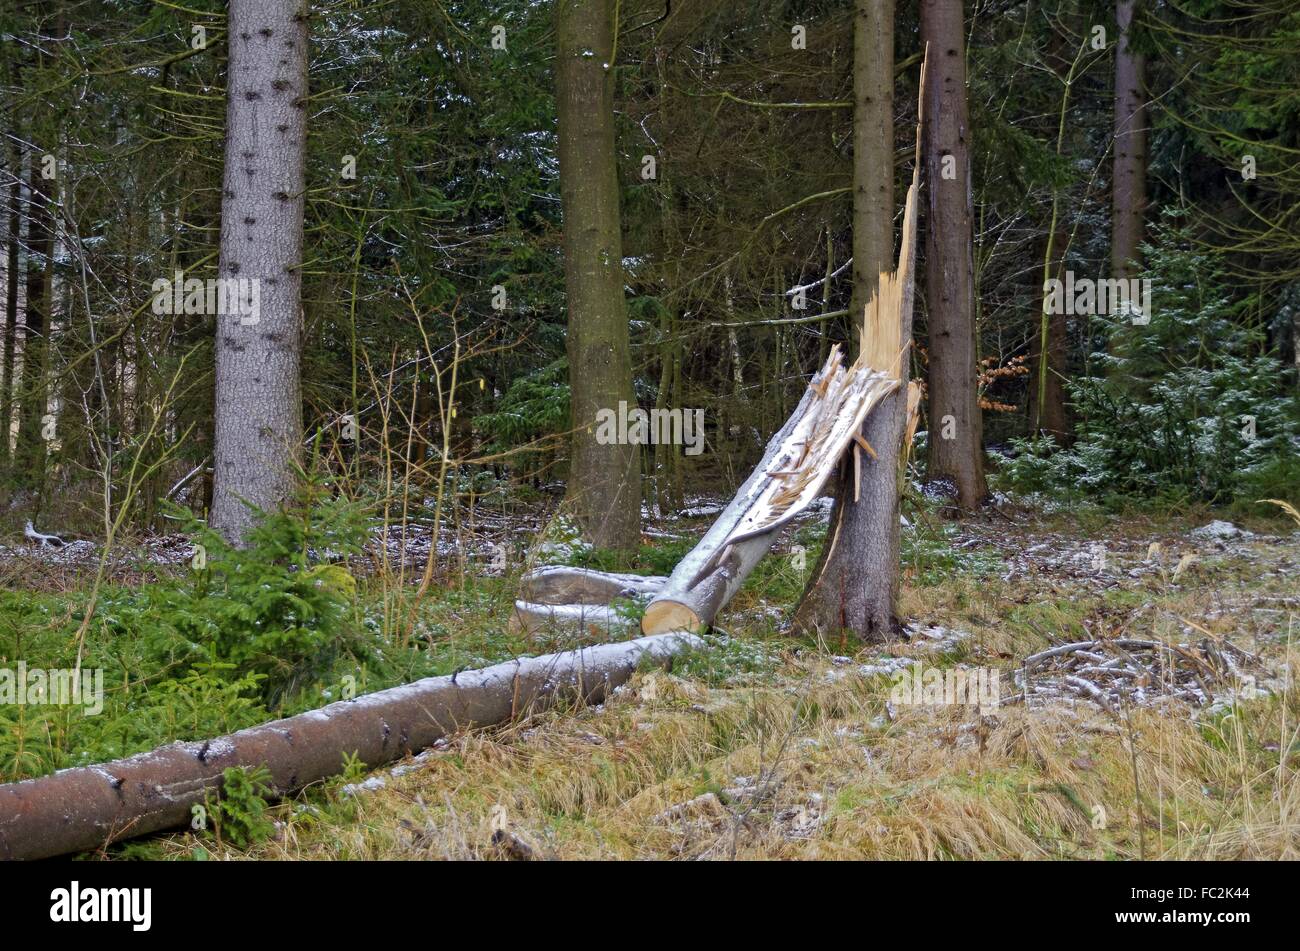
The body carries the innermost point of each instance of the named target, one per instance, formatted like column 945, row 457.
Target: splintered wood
column 805, row 454
column 797, row 464
column 831, row 423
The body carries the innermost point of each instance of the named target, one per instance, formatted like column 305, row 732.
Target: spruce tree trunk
column 854, row 585
column 873, row 153
column 90, row 806
column 258, row 406
column 1046, row 390
column 665, row 491
column 1128, row 189
column 604, row 483
column 11, row 306
column 29, row 459
column 956, row 449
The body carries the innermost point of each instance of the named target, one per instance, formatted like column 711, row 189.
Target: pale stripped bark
column 258, row 403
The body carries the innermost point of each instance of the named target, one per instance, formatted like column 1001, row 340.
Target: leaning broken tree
column 796, row 466
column 825, row 432
column 854, row 584
column 800, row 459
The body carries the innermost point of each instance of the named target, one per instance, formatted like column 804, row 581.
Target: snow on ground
column 488, row 540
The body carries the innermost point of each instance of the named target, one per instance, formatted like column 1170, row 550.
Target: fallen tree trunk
column 560, row 584
column 89, row 807
column 581, row 599
column 795, row 467
column 528, row 618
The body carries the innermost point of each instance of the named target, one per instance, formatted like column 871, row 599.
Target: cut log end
column 662, row 617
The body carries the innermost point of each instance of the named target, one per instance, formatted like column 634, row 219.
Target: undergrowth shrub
column 238, row 815
column 1191, row 407
column 277, row 610
column 532, row 406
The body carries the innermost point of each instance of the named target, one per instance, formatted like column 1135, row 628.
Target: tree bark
column 667, row 492
column 91, row 806
column 1054, row 420
column 11, row 305
column 873, row 152
column 1046, row 402
column 1128, row 189
column 31, row 451
column 956, row 449
column 854, row 585
column 604, row 484
column 258, row 402
column 561, row 584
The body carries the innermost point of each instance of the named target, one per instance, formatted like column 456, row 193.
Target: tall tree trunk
column 33, row 396
column 873, row 153
column 11, row 306
column 603, row 479
column 1129, row 188
column 258, row 404
column 854, row 586
column 956, row 449
column 824, row 345
column 1054, row 420
column 668, row 491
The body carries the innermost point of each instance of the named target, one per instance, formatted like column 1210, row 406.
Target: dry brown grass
column 812, row 767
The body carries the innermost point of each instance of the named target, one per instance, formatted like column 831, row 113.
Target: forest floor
column 766, row 745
